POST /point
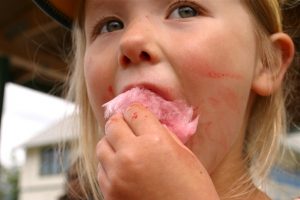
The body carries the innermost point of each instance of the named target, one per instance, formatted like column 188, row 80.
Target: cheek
column 219, row 86
column 98, row 82
column 223, row 114
column 222, row 107
column 215, row 79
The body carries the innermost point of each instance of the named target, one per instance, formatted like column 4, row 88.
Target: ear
column 268, row 80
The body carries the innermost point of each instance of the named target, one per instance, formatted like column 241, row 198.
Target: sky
column 26, row 113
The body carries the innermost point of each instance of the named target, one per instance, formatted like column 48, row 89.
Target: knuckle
column 112, row 188
column 115, row 188
column 154, row 139
column 108, row 193
column 114, row 181
column 101, row 182
column 126, row 157
column 100, row 148
column 112, row 122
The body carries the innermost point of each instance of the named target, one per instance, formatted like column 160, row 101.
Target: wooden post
column 5, row 76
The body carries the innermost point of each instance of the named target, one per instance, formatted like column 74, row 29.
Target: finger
column 102, row 178
column 118, row 133
column 142, row 121
column 105, row 154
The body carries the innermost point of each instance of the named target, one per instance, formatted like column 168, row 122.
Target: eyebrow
column 110, row 4
column 98, row 4
column 97, row 8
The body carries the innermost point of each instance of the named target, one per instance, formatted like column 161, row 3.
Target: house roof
column 34, row 44
column 62, row 131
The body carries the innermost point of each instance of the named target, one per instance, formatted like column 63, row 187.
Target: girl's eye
column 183, row 12
column 112, row 25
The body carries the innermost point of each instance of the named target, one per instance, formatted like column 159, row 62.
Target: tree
column 9, row 180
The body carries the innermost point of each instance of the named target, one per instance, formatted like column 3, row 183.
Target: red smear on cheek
column 204, row 70
column 206, row 126
column 214, row 101
column 231, row 99
column 222, row 75
column 207, row 130
column 226, row 96
column 216, row 139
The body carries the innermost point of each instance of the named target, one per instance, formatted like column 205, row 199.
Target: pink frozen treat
column 176, row 115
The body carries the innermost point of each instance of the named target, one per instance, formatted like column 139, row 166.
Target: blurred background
column 33, row 68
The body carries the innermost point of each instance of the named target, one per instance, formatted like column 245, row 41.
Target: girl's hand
column 139, row 159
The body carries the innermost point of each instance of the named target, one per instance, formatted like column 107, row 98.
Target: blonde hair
column 89, row 133
column 267, row 123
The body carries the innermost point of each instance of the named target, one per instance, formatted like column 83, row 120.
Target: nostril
column 144, row 56
column 126, row 60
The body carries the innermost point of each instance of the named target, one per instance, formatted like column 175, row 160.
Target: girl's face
column 201, row 51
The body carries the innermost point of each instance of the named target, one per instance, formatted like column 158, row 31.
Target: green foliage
column 9, row 180
column 13, row 180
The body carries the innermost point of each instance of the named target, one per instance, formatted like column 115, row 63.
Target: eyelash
column 180, row 3
column 101, row 23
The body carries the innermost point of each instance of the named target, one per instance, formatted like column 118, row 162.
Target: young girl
column 225, row 59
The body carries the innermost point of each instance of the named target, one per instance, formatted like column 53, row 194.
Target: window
column 52, row 161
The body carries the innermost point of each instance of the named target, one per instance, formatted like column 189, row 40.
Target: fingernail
column 132, row 111
column 133, row 107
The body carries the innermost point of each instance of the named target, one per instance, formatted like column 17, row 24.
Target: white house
column 42, row 176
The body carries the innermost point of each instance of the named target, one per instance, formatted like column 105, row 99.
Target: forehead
column 98, row 8
column 92, row 4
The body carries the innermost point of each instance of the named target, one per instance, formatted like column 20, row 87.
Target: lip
column 164, row 92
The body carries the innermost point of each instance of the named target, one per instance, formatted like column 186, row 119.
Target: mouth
column 172, row 112
column 164, row 92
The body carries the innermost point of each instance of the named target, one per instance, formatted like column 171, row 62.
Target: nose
column 138, row 44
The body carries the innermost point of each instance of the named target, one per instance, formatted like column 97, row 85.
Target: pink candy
column 177, row 116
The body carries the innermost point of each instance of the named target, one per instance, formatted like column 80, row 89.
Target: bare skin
column 131, row 168
column 203, row 52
